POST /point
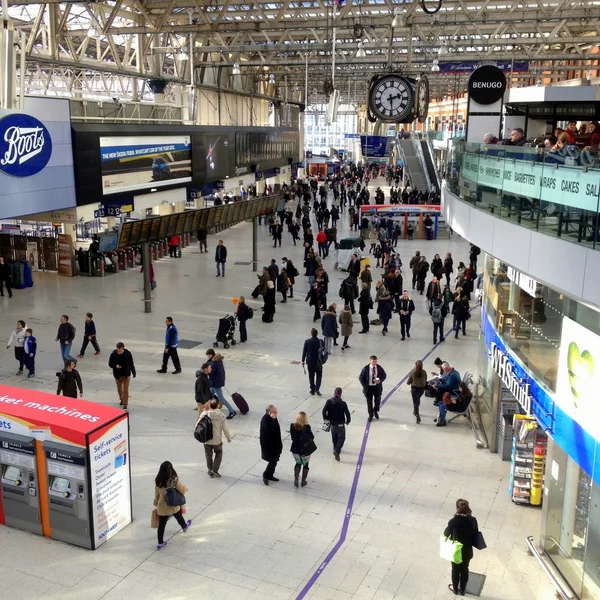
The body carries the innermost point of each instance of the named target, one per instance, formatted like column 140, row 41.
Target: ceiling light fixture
column 271, row 78
column 182, row 55
column 397, row 21
column 92, row 33
column 236, row 69
column 435, row 66
column 360, row 53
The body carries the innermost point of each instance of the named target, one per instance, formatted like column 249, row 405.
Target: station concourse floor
column 249, row 541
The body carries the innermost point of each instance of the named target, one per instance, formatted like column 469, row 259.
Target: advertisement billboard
column 65, row 254
column 134, row 163
column 217, row 156
column 579, row 375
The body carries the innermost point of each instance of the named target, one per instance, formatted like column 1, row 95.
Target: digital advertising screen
column 164, row 224
column 210, row 218
column 172, row 224
column 202, row 223
column 125, row 234
column 189, row 218
column 136, row 229
column 154, row 228
column 108, row 242
column 235, row 212
column 135, row 163
column 145, row 232
column 217, row 156
column 196, row 221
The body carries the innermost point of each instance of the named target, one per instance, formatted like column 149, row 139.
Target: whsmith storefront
column 541, row 357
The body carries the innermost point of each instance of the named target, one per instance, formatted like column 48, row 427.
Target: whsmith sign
column 25, row 145
column 540, row 181
column 504, row 369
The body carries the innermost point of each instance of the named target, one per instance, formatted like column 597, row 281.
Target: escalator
column 432, row 171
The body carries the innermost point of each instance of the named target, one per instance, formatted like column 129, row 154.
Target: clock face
column 391, row 98
column 422, row 99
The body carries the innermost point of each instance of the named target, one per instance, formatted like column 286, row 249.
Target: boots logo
column 25, row 145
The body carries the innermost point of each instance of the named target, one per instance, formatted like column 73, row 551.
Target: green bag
column 450, row 550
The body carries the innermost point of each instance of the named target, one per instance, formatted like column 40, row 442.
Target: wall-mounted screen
column 217, row 156
column 108, row 242
column 134, row 163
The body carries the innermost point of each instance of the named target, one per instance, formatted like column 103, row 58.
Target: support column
column 147, row 290
column 255, row 244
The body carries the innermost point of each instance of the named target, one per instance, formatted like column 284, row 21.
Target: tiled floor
column 249, row 541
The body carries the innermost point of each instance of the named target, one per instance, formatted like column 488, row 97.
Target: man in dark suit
column 371, row 378
column 221, row 258
column 354, row 266
column 311, row 356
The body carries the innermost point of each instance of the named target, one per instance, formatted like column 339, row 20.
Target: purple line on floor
column 350, row 505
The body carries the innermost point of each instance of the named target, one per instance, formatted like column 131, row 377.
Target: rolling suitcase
column 240, row 402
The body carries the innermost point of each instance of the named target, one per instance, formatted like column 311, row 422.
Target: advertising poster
column 111, row 493
column 134, row 163
column 65, row 255
column 579, row 375
column 217, row 156
column 32, row 256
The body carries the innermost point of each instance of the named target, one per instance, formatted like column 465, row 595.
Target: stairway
column 415, row 167
column 430, row 166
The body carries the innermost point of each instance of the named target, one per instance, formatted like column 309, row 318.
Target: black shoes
column 370, row 419
column 161, row 370
column 231, row 415
column 265, row 480
column 440, row 423
column 418, row 419
column 408, row 335
column 312, row 392
column 318, row 393
column 363, row 332
column 176, row 371
column 377, row 416
column 402, row 338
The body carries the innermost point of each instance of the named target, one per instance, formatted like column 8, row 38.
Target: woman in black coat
column 436, row 266
column 269, row 307
column 271, row 445
column 463, row 528
column 460, row 310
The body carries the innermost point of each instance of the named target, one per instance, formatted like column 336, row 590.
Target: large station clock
column 392, row 98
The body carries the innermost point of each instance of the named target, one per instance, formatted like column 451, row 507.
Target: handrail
column 435, row 170
column 421, row 157
column 405, row 168
column 562, row 590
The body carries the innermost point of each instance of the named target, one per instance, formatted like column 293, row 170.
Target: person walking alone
column 460, row 311
column 371, row 378
column 89, row 335
column 17, row 337
column 311, row 356
column 347, row 323
column 167, row 479
column 171, row 343
column 414, row 266
column 336, row 412
column 121, row 362
column 271, row 445
column 29, row 352
column 302, row 447
column 406, row 308
column 463, row 528
column 329, row 328
column 220, row 258
column 365, row 304
column 438, row 311
column 69, row 381
column 5, row 278
column 65, row 336
column 213, row 448
column 418, row 383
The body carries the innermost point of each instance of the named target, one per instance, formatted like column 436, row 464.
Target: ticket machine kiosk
column 68, row 503
column 19, row 480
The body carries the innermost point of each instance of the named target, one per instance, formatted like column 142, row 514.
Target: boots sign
column 25, row 145
column 487, row 84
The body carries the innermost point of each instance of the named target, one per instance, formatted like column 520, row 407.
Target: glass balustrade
column 554, row 192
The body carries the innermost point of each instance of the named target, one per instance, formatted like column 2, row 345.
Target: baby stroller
column 225, row 332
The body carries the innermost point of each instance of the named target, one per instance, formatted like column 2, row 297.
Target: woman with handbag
column 418, row 382
column 169, row 500
column 462, row 528
column 303, row 446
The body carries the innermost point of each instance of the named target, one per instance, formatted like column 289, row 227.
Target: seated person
column 457, row 404
column 448, row 382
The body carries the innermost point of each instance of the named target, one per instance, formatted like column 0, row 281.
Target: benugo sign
column 570, row 187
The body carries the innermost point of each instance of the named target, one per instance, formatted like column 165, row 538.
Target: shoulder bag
column 450, row 550
column 173, row 497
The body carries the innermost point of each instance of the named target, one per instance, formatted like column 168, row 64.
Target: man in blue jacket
column 217, row 379
column 311, row 356
column 171, row 343
column 448, row 382
column 371, row 378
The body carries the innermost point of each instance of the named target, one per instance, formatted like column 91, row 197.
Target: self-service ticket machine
column 19, row 480
column 68, row 491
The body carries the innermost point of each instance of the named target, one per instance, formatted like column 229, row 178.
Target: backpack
column 250, row 313
column 436, row 313
column 204, row 430
column 323, row 354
